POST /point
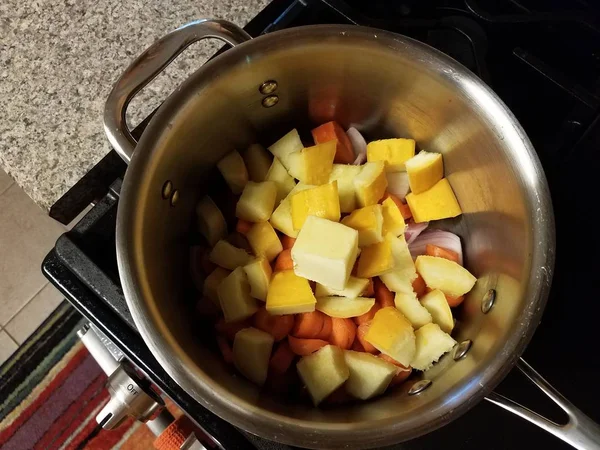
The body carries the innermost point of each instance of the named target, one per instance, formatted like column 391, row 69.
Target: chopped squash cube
column 321, row 201
column 392, row 334
column 259, row 276
column 285, row 146
column 370, row 184
column 437, row 305
column 368, row 221
column 354, row 288
column 258, row 162
column 312, row 165
column 376, row 260
column 323, row 372
column 424, row 171
column 447, row 276
column 234, row 171
column 251, row 354
column 369, row 375
column 289, row 294
column 344, row 175
column 281, row 219
column 257, row 201
column 394, row 152
column 401, row 277
column 408, row 304
column 211, row 284
column 393, row 222
column 325, row 252
column 234, row 296
column 210, row 220
column 436, row 203
column 227, row 256
column 264, row 241
column 282, row 179
column 431, row 343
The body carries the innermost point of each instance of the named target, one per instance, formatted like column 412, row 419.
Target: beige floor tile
column 7, row 346
column 34, row 313
column 5, row 181
column 26, row 236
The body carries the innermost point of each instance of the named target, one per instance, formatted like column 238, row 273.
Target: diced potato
column 321, row 201
column 234, row 297
column 325, row 252
column 401, row 277
column 259, row 276
column 323, row 372
column 431, row 344
column 312, row 165
column 408, row 304
column 344, row 175
column 264, row 241
column 370, row 184
column 369, row 375
column 397, row 281
column 258, row 162
column 251, row 354
column 445, row 275
column 368, row 221
column 282, row 179
column 211, row 284
column 354, row 288
column 436, row 203
column 393, row 222
column 289, row 294
column 344, row 307
column 392, row 334
column 281, row 219
column 437, row 305
column 257, row 201
column 288, row 144
column 210, row 220
column 234, row 171
column 376, row 260
column 394, row 152
column 424, row 170
column 227, row 256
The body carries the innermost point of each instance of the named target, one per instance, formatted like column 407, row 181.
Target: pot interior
column 386, row 86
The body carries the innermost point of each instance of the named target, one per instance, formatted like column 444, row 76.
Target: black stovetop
column 543, row 60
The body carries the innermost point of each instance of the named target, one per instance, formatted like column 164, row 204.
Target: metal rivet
column 488, row 301
column 270, row 101
column 268, row 87
column 461, row 349
column 167, row 189
column 419, row 386
column 174, row 197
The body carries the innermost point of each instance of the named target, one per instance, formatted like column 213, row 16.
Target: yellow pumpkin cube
column 368, row 221
column 282, row 179
column 259, row 276
column 234, row 297
column 264, row 241
column 321, row 201
column 285, row 146
column 424, row 170
column 401, row 277
column 257, row 201
column 375, row 260
column 312, row 165
column 289, row 294
column 370, row 184
column 392, row 334
column 394, row 152
column 281, row 219
column 258, row 162
column 436, row 203
column 345, row 174
column 393, row 222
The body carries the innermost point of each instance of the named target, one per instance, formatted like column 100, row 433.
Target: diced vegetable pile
column 330, row 275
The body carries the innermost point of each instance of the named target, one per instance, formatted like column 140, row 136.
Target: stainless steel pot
column 385, row 85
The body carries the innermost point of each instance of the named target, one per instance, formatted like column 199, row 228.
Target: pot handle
column 580, row 431
column 148, row 65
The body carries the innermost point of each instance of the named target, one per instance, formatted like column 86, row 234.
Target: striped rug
column 51, row 390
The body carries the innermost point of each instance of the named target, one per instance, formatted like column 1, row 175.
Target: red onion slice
column 398, row 184
column 444, row 239
column 359, row 145
column 413, row 230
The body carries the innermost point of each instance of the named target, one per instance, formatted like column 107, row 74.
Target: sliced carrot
column 229, row 330
column 282, row 359
column 287, row 242
column 343, row 332
column 284, row 261
column 326, row 330
column 277, row 326
column 419, row 285
column 403, row 372
column 303, row 347
column 434, row 250
column 369, row 290
column 225, row 349
column 308, row 325
column 366, row 317
column 383, row 295
column 454, row 301
column 332, row 131
column 361, row 331
column 243, row 226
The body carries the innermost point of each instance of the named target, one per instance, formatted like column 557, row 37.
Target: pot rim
column 306, row 433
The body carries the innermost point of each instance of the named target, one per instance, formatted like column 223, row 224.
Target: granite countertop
column 58, row 62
